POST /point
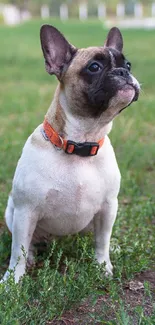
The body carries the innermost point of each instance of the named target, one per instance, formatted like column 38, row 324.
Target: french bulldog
column 67, row 179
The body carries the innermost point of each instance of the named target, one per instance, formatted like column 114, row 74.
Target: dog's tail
column 9, row 213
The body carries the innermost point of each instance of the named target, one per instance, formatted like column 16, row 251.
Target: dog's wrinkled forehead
column 110, row 58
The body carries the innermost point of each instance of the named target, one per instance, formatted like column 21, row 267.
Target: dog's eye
column 94, row 67
column 128, row 65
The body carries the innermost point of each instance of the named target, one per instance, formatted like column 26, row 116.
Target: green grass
column 66, row 272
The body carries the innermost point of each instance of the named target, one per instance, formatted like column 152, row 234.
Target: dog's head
column 95, row 81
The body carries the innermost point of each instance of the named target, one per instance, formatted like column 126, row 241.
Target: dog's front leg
column 24, row 224
column 103, row 223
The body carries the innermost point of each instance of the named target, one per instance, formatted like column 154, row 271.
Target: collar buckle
column 83, row 149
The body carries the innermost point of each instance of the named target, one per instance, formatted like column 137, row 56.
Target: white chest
column 72, row 197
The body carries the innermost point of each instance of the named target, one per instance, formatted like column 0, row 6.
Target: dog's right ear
column 58, row 52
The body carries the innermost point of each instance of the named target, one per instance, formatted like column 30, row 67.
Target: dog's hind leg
column 9, row 213
column 23, row 226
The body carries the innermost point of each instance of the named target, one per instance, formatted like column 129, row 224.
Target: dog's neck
column 72, row 127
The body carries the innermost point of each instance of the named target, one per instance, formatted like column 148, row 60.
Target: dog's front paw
column 108, row 266
column 109, row 269
column 15, row 273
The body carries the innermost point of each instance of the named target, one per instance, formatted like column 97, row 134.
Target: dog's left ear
column 57, row 51
column 114, row 39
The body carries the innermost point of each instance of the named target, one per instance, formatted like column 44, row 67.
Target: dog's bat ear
column 114, row 39
column 58, row 52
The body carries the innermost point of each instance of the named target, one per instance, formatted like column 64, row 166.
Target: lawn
column 67, row 287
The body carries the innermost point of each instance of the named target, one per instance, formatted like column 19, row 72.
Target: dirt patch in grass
column 134, row 295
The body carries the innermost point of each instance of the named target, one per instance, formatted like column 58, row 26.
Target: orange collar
column 83, row 149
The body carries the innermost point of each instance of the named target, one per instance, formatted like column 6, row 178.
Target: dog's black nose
column 121, row 72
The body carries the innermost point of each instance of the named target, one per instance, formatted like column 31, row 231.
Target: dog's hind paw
column 31, row 258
